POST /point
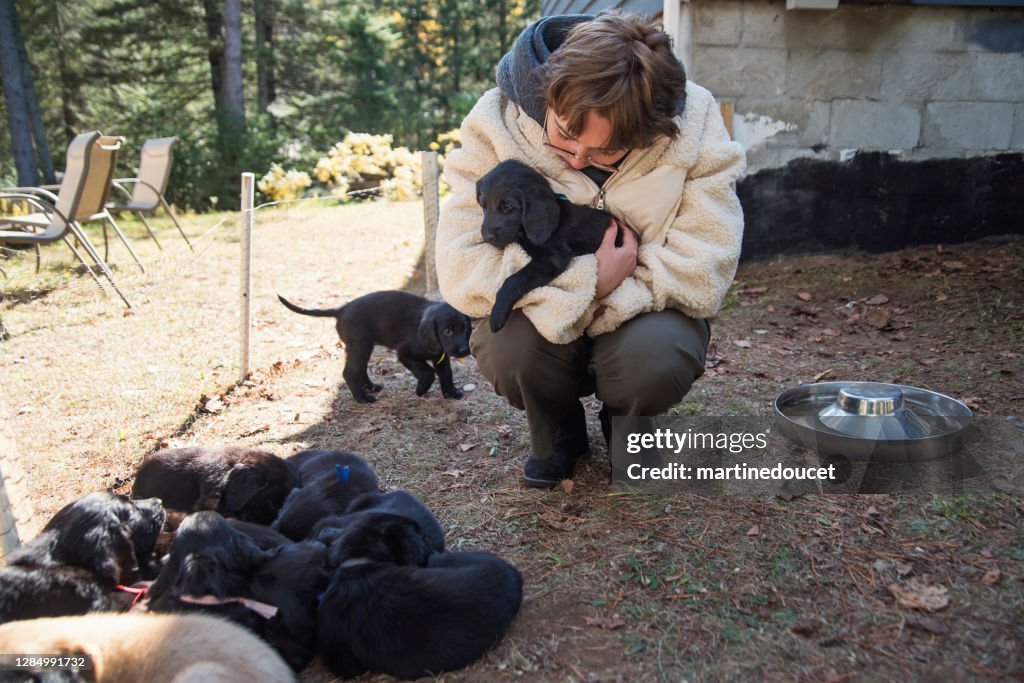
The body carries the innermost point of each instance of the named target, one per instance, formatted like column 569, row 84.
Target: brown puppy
column 128, row 648
column 425, row 334
column 237, row 482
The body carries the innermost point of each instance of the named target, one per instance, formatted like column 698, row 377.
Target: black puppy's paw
column 498, row 319
column 424, row 387
column 374, row 387
column 453, row 393
column 364, row 398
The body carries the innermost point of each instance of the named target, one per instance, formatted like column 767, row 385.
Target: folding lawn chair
column 55, row 215
column 148, row 189
column 92, row 206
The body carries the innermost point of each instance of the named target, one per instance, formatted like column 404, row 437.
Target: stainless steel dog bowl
column 872, row 420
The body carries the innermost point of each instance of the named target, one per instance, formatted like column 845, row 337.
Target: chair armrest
column 117, row 183
column 31, row 190
column 140, row 181
column 28, row 198
column 32, row 199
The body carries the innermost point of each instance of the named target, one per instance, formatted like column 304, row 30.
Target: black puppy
column 216, row 569
column 237, row 482
column 81, row 555
column 519, row 206
column 265, row 537
column 425, row 334
column 313, row 463
column 395, row 608
column 331, row 480
column 396, row 502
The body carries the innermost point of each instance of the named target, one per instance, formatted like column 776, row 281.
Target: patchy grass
column 618, row 587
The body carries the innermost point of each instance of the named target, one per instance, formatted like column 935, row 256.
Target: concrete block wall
column 922, row 82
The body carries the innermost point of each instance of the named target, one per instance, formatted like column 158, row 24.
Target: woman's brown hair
column 622, row 66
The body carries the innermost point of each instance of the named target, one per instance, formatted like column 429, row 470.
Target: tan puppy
column 129, row 648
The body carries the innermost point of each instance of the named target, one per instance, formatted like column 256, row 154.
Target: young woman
column 602, row 108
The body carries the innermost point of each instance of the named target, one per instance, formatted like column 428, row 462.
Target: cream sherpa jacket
column 679, row 195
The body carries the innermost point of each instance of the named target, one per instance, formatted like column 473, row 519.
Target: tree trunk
column 215, row 53
column 35, row 114
column 71, row 98
column 234, row 97
column 14, row 96
column 265, row 14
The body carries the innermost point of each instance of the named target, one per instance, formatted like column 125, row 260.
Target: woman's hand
column 615, row 264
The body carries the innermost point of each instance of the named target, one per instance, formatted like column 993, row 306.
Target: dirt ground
column 618, row 586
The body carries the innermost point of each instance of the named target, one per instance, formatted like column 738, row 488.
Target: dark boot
column 571, row 444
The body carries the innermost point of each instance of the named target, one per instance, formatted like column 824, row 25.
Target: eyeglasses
column 566, row 154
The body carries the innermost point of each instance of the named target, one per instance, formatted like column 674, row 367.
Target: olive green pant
column 644, row 367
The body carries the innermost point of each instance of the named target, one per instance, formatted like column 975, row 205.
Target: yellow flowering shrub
column 362, row 161
column 279, row 184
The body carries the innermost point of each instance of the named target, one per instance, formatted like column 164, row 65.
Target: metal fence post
column 431, row 203
column 248, row 200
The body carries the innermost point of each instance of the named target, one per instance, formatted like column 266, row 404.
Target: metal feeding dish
column 872, row 420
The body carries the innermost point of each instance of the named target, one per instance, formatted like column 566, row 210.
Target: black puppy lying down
column 237, row 482
column 519, row 206
column 217, row 569
column 80, row 556
column 395, row 608
column 396, row 502
column 425, row 334
column 330, row 481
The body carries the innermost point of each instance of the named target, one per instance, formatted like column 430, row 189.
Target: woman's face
column 586, row 149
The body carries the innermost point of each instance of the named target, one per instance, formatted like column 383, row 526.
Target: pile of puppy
column 305, row 552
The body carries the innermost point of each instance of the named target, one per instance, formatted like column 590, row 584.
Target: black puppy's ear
column 406, row 543
column 244, row 483
column 540, row 213
column 108, row 550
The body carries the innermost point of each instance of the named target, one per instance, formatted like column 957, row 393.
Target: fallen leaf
column 567, row 485
column 871, row 530
column 753, row 291
column 877, row 300
column 504, row 431
column 916, row 594
column 212, row 405
column 930, row 624
column 743, row 343
column 940, row 298
column 804, row 628
column 878, row 318
column 804, row 296
column 467, row 446
column 954, row 265
column 754, row 531
column 264, row 428
column 821, row 375
column 973, row 402
column 454, row 473
column 991, row 577
column 607, row 623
